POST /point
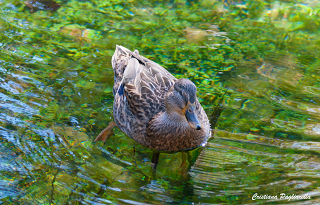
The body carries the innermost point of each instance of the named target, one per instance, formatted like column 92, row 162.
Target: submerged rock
column 35, row 5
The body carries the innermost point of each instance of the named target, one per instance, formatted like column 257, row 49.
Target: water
column 56, row 96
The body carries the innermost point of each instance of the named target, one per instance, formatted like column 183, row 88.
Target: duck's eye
column 180, row 92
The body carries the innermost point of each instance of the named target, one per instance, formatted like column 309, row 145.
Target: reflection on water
column 56, row 96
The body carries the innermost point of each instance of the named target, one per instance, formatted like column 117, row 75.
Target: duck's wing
column 145, row 84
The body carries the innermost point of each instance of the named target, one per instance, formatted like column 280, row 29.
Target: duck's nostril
column 198, row 127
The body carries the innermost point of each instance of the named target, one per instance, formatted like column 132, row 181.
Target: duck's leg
column 155, row 159
column 184, row 168
column 184, row 160
column 106, row 133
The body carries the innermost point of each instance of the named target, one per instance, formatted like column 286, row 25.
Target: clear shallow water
column 56, row 96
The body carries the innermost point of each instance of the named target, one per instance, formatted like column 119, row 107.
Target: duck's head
column 181, row 100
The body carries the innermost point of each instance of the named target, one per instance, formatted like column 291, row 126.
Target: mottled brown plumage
column 153, row 107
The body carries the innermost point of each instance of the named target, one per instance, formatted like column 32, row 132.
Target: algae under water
column 56, row 95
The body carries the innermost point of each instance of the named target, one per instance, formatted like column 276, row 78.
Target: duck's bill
column 192, row 118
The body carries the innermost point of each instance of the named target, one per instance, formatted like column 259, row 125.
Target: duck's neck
column 172, row 132
column 172, row 119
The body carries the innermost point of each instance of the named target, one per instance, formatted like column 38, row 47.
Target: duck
column 153, row 107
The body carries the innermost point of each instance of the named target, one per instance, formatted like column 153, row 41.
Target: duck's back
column 140, row 86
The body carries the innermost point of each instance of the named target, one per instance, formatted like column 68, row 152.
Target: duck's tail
column 119, row 62
column 125, row 64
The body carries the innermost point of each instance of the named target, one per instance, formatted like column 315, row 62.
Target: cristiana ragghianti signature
column 281, row 196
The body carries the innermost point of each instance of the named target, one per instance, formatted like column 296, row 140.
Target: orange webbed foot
column 106, row 133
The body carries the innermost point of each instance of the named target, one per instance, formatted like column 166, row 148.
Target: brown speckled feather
column 161, row 135
column 140, row 87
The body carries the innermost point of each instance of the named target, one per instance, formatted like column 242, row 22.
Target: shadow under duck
column 153, row 107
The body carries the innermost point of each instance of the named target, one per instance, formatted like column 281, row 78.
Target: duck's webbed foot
column 106, row 133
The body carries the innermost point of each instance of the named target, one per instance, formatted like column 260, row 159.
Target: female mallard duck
column 153, row 107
